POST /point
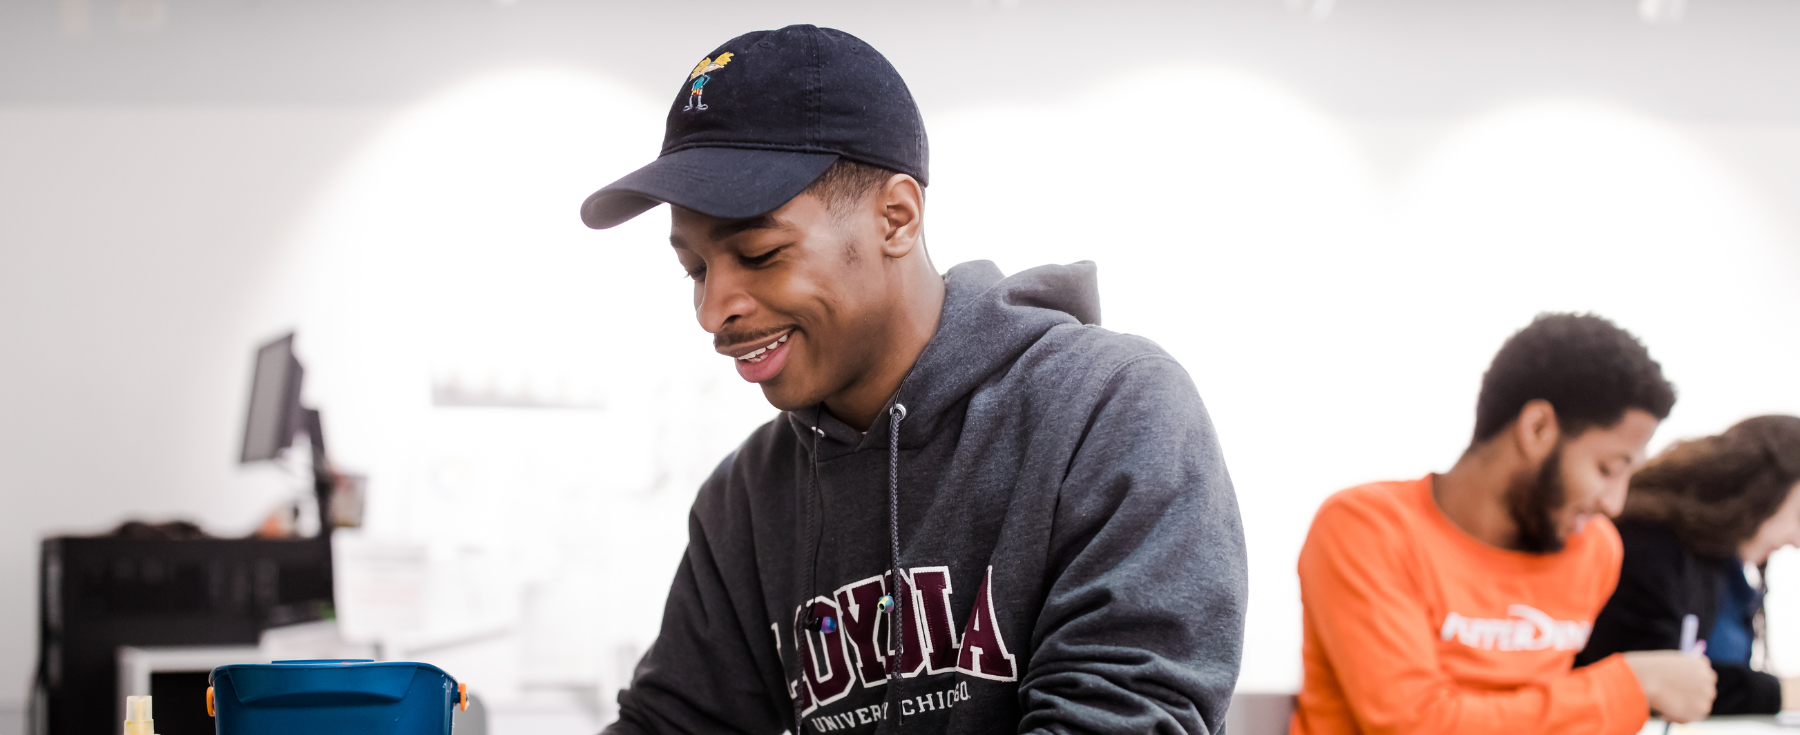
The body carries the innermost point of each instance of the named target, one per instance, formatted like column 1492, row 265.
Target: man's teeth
column 757, row 356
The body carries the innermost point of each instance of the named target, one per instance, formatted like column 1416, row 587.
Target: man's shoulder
column 1369, row 527
column 1091, row 354
column 1380, row 508
column 1095, row 342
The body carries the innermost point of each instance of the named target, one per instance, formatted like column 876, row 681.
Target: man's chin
column 783, row 393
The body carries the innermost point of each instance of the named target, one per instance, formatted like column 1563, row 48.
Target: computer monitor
column 275, row 412
column 276, row 415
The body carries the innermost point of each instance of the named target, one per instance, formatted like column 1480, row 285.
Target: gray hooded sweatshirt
column 1068, row 547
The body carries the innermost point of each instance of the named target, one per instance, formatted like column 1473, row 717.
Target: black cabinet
column 98, row 593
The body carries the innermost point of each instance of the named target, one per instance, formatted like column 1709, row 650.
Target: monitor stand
column 323, row 480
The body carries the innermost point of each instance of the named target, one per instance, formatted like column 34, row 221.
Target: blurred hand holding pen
column 1690, row 631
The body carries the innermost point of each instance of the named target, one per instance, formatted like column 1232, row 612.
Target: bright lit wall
column 1335, row 298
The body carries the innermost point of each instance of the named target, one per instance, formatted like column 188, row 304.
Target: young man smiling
column 978, row 512
column 1455, row 604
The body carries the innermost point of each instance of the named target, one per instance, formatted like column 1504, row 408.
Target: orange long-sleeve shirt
column 1413, row 626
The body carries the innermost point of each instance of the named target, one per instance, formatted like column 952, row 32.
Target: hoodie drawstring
column 813, row 529
column 808, row 622
column 895, row 601
column 896, row 624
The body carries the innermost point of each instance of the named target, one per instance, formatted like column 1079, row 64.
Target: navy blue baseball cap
column 761, row 117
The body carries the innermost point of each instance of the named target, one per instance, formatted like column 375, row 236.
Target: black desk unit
column 98, row 593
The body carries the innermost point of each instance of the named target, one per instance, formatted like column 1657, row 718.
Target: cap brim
column 729, row 183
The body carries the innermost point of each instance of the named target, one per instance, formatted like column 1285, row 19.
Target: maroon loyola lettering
column 857, row 649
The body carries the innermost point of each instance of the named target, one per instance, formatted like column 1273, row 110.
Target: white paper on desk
column 379, row 586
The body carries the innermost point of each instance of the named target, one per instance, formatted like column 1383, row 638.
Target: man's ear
column 900, row 203
column 1536, row 431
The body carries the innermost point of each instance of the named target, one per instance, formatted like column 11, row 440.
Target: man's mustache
column 726, row 339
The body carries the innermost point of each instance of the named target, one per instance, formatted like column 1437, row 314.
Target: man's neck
column 1473, row 496
column 911, row 329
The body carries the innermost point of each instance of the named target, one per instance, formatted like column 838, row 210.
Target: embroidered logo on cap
column 699, row 78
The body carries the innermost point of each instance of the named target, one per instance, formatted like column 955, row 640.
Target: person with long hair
column 1696, row 516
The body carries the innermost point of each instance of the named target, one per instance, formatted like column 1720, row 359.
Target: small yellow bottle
column 137, row 717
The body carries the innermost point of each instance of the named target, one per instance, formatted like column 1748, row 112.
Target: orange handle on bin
column 462, row 695
column 209, row 703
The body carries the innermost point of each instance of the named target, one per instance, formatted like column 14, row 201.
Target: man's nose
column 1612, row 501
column 720, row 299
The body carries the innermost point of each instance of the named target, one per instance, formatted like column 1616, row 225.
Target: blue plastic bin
column 333, row 696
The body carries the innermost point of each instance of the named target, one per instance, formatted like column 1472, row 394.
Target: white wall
column 1334, row 278
column 131, row 244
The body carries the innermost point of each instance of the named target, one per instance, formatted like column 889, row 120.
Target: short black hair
column 847, row 182
column 1589, row 369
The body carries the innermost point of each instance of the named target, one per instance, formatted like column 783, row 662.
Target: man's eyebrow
column 727, row 229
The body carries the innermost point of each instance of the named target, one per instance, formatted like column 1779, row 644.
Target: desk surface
column 1722, row 726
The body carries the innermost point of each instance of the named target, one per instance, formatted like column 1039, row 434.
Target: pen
column 1690, row 629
